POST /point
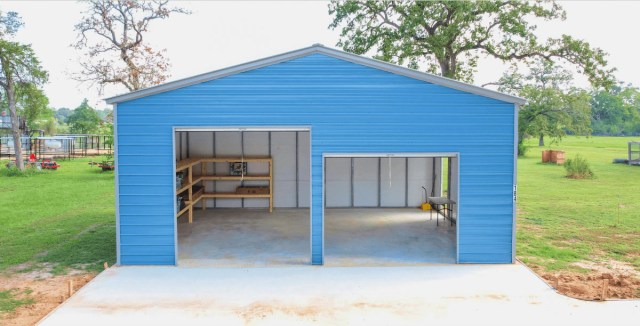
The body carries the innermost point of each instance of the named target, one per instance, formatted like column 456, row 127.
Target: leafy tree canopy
column 32, row 104
column 62, row 114
column 449, row 36
column 616, row 112
column 84, row 119
column 554, row 108
column 20, row 75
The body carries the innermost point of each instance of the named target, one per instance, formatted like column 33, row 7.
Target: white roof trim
column 317, row 48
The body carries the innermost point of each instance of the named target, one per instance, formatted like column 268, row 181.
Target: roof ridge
column 317, row 48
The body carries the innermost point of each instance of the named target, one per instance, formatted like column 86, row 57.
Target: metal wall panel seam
column 215, row 184
column 379, row 181
column 297, row 172
column 406, row 182
column 449, row 177
column 242, row 154
column 179, row 144
column 351, row 181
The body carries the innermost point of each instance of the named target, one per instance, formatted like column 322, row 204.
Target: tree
column 84, row 119
column 62, row 114
column 104, row 114
column 449, row 36
column 20, row 70
column 32, row 104
column 554, row 108
column 616, row 112
column 113, row 29
column 45, row 121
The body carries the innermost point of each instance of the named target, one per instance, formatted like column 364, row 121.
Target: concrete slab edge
column 75, row 293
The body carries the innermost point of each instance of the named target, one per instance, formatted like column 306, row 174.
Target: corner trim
column 515, row 182
column 117, row 181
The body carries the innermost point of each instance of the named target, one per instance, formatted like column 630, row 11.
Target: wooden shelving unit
column 194, row 197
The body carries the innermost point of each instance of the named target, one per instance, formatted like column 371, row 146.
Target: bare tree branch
column 114, row 29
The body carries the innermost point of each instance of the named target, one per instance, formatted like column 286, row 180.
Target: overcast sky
column 220, row 34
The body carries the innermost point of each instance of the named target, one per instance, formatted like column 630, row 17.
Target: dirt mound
column 592, row 285
column 46, row 291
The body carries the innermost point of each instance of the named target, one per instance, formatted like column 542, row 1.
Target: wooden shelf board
column 184, row 210
column 235, row 159
column 233, row 177
column 189, row 162
column 233, row 195
column 186, row 187
column 186, row 163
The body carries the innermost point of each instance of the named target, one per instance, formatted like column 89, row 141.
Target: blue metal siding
column 350, row 108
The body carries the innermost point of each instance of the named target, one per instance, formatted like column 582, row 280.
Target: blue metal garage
column 343, row 107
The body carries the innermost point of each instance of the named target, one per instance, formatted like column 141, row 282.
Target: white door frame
column 395, row 155
column 239, row 128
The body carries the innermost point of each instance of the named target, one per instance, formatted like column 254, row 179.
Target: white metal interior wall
column 350, row 182
column 380, row 181
column 290, row 171
column 453, row 187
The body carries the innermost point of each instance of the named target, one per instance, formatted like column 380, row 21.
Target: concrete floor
column 244, row 238
column 353, row 237
column 407, row 295
column 387, row 237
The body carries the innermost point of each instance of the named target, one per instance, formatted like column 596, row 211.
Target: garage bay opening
column 390, row 209
column 242, row 197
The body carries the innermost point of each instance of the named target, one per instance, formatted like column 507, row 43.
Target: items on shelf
column 179, row 180
column 252, row 190
column 238, row 168
column 191, row 191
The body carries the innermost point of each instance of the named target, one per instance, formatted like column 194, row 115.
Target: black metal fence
column 59, row 146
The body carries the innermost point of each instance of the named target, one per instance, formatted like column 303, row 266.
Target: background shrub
column 578, row 168
column 13, row 171
column 522, row 149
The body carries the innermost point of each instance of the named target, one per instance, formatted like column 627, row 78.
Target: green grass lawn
column 562, row 220
column 9, row 300
column 65, row 218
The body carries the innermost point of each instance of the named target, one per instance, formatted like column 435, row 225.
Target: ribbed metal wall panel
column 350, row 108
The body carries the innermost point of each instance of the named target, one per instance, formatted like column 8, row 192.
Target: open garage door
column 242, row 196
column 374, row 212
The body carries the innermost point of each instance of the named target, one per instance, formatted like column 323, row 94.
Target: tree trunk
column 15, row 124
column 448, row 66
column 541, row 140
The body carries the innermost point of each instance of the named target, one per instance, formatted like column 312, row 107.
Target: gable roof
column 321, row 49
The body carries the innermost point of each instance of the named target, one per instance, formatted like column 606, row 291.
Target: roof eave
column 211, row 75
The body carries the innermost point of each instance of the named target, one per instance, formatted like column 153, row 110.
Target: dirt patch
column 597, row 284
column 500, row 297
column 314, row 310
column 261, row 310
column 46, row 290
column 611, row 266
